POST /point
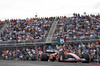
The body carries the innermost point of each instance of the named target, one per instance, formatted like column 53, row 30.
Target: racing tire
column 60, row 56
column 86, row 57
column 43, row 57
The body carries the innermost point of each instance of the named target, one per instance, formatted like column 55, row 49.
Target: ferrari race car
column 62, row 56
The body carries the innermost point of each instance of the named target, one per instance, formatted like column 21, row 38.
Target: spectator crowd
column 19, row 54
column 1, row 24
column 27, row 29
column 78, row 27
column 31, row 53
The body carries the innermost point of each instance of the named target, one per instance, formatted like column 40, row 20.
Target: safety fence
column 28, row 42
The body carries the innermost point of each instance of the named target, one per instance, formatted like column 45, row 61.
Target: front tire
column 86, row 57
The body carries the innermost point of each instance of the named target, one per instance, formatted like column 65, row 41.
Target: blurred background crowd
column 71, row 28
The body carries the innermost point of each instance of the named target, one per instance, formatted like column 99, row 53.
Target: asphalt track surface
column 41, row 63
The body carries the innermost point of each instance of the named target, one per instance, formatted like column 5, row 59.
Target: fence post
column 16, row 48
column 97, row 54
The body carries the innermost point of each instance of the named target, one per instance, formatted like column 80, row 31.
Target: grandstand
column 26, row 30
column 78, row 28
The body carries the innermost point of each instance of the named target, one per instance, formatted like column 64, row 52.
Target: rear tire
column 43, row 57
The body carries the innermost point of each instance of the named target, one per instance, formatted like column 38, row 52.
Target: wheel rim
column 57, row 57
column 61, row 58
column 39, row 58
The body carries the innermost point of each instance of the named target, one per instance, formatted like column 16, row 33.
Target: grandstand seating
column 72, row 28
column 78, row 27
column 28, row 29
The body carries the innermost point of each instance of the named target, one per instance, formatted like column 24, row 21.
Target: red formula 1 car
column 63, row 55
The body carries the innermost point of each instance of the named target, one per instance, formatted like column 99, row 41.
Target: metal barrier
column 28, row 42
column 78, row 38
